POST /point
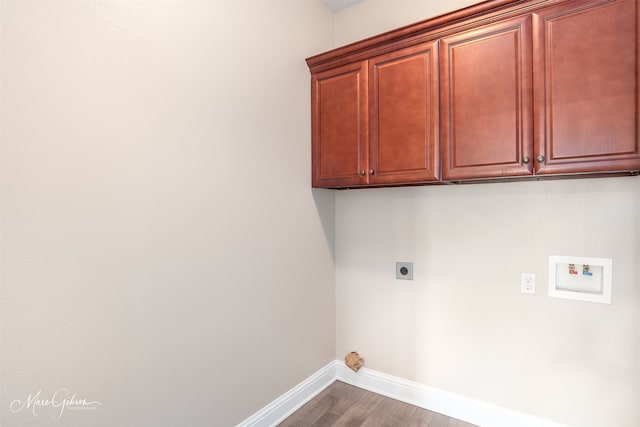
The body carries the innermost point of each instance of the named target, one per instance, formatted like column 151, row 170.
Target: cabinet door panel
column 404, row 116
column 586, row 88
column 339, row 126
column 486, row 101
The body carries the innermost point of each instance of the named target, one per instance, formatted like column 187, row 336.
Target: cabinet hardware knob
column 362, row 172
column 371, row 171
column 540, row 159
column 525, row 160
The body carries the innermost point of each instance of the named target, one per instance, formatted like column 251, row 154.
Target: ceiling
column 336, row 5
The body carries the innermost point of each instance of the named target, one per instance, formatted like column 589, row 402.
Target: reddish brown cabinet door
column 486, row 101
column 339, row 137
column 586, row 87
column 403, row 116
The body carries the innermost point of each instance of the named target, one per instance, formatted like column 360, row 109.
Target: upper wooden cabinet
column 403, row 116
column 339, row 126
column 504, row 89
column 376, row 122
column 586, row 87
column 487, row 106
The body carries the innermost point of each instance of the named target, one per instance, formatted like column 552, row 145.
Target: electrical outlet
column 404, row 270
column 528, row 283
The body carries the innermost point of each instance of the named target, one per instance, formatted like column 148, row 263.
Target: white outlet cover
column 528, row 283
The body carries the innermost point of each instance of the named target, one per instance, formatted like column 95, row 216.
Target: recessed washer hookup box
column 580, row 278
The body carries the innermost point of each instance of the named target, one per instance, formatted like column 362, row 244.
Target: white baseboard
column 453, row 405
column 278, row 410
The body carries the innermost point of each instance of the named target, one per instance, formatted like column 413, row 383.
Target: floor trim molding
column 278, row 410
column 453, row 405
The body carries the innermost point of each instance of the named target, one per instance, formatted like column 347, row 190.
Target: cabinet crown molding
column 419, row 32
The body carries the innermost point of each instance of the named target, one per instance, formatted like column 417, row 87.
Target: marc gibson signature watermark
column 60, row 401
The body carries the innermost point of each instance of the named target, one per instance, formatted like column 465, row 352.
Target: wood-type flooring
column 343, row 405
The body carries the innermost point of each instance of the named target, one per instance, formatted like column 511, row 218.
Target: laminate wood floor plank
column 420, row 418
column 311, row 413
column 345, row 397
column 440, row 420
column 397, row 413
column 361, row 410
column 343, row 405
column 326, row 407
column 459, row 423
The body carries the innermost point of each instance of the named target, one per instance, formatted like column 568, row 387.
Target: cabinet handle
column 371, row 171
column 540, row 159
column 362, row 172
column 525, row 160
